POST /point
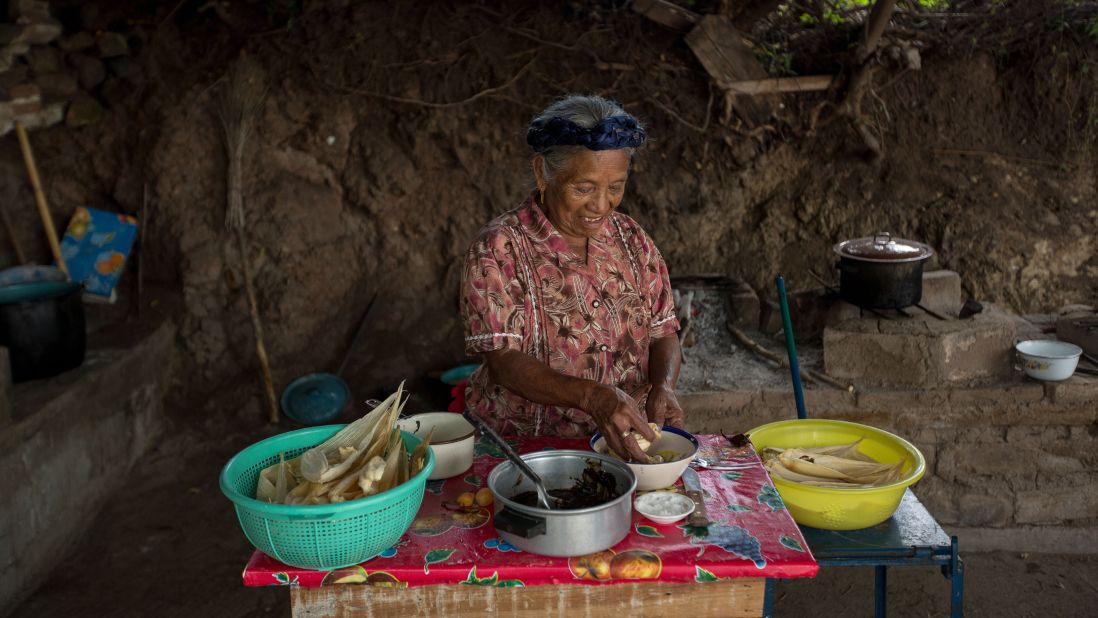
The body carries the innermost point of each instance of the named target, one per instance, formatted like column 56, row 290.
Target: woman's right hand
column 616, row 414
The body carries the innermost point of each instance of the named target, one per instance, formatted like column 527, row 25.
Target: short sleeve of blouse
column 492, row 297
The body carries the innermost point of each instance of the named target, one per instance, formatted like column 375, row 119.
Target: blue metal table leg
column 957, row 582
column 768, row 599
column 880, row 591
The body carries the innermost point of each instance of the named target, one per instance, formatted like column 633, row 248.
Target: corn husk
column 393, row 452
column 842, row 466
column 363, row 459
column 419, row 454
column 322, row 463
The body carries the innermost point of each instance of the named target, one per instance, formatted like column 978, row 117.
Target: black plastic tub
column 42, row 325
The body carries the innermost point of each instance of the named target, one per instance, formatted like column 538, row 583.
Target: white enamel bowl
column 1048, row 360
column 682, row 506
column 452, row 440
column 661, row 475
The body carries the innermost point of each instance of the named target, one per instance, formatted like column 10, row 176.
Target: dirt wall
column 354, row 186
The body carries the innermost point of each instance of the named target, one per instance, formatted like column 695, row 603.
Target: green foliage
column 776, row 62
column 833, row 12
column 1092, row 29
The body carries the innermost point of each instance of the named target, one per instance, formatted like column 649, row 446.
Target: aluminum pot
column 881, row 272
column 560, row 532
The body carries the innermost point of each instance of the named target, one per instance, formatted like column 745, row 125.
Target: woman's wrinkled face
column 585, row 192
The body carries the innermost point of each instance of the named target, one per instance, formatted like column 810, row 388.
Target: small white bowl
column 645, row 503
column 1048, row 360
column 660, row 475
column 452, row 440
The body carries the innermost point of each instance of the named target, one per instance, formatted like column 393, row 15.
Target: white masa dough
column 663, row 504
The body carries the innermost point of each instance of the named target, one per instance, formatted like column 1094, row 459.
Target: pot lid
column 316, row 398
column 882, row 247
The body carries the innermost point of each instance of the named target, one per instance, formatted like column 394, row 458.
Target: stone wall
column 46, row 77
column 1009, row 466
column 69, row 443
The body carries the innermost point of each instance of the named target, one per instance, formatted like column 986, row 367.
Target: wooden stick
column 240, row 103
column 141, row 245
column 804, row 83
column 19, row 255
column 807, row 375
column 40, row 197
column 257, row 328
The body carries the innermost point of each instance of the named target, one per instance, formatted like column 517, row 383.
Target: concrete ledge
column 73, row 441
column 1035, row 539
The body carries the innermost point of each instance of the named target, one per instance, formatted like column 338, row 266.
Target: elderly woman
column 567, row 299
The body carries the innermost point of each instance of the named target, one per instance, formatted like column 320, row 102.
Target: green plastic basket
column 322, row 536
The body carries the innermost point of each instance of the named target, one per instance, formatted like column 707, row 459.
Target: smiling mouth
column 593, row 220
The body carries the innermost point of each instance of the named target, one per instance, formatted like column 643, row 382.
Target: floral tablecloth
column 751, row 535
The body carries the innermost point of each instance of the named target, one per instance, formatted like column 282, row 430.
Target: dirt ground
column 168, row 545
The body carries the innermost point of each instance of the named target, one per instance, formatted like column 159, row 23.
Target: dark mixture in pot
column 594, row 487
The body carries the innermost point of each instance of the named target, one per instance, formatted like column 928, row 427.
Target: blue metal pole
column 880, row 593
column 768, row 598
column 791, row 346
column 957, row 582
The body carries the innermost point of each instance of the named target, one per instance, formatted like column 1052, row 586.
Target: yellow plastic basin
column 838, row 508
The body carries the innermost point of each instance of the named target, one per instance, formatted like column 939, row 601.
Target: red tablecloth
column 752, row 535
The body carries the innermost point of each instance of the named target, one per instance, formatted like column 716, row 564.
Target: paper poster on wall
column 95, row 249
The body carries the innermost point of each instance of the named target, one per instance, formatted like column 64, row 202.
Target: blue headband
column 611, row 134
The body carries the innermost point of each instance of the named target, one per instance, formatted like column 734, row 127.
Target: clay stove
column 920, row 346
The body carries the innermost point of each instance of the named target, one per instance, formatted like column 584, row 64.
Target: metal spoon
column 543, row 495
column 707, row 464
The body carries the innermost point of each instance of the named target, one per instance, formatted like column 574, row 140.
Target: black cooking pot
column 882, row 272
column 42, row 325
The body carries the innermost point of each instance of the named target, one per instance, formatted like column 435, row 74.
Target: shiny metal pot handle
column 877, row 238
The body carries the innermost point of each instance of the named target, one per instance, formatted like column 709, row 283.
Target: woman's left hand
column 663, row 407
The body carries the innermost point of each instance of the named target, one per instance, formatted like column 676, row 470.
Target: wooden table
column 451, row 561
column 741, row 597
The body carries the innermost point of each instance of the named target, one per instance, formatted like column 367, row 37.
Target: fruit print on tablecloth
column 732, row 539
column 791, row 543
column 703, row 576
column 608, row 565
column 769, row 496
column 358, row 575
column 501, row 546
column 435, row 556
column 283, row 579
column 467, row 518
column 492, row 581
column 648, row 531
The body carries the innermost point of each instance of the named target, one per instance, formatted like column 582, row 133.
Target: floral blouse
column 524, row 288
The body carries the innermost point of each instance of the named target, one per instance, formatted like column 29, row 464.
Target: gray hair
column 585, row 111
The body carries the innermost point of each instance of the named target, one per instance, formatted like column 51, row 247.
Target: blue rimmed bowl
column 659, row 475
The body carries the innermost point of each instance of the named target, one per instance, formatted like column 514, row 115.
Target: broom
column 239, row 102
